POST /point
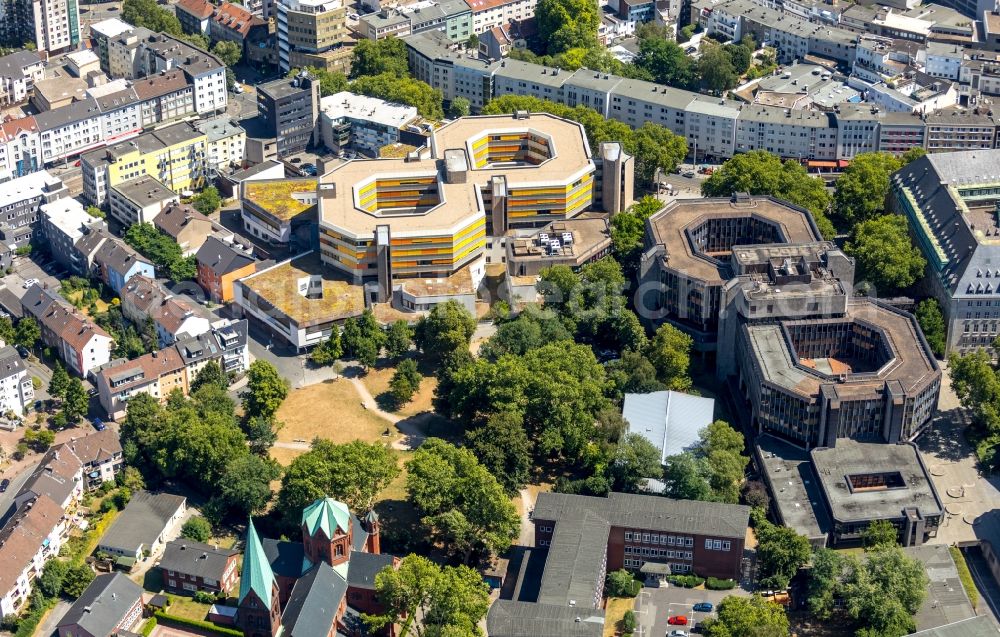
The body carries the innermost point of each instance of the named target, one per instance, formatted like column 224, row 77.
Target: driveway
column 655, row 605
column 952, row 464
column 48, row 626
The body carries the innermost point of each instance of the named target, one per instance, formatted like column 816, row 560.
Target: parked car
column 23, row 351
column 689, row 174
column 691, row 49
column 4, row 484
column 29, row 282
column 703, row 607
column 678, row 633
column 677, row 620
column 309, row 169
column 98, row 424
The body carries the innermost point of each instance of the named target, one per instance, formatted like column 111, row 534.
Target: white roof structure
column 26, row 187
column 361, row 107
column 671, row 420
column 69, row 216
column 111, row 28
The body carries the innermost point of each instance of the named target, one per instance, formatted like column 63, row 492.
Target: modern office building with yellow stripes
column 429, row 215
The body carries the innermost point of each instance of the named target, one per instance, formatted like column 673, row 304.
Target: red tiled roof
column 233, row 17
column 201, row 9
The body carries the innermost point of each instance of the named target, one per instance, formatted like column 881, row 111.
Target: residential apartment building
column 365, row 124
column 63, row 223
column 584, row 538
column 220, row 264
column 174, row 367
column 189, row 566
column 313, row 33
column 33, row 534
column 20, row 203
column 145, row 299
column 174, row 156
column 18, row 73
column 452, row 18
column 436, row 60
column 234, row 23
column 110, row 605
column 188, row 227
column 52, row 26
column 194, row 16
column 79, row 342
column 16, row 390
column 487, row 14
column 102, row 33
column 139, row 200
column 290, row 110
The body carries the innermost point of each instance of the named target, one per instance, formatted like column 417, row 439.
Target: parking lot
column 655, row 606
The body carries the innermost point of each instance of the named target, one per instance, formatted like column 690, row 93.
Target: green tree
column 261, row 433
column 424, row 599
column 402, row 90
column 162, row 250
column 405, row 381
column 265, row 391
column 863, row 187
column 443, row 478
column 667, row 62
column 228, row 52
column 634, row 460
column 60, row 381
column 655, row 147
column 94, row 211
column 374, row 57
column 330, row 82
column 568, row 24
column 628, row 231
column 208, row 200
column 76, row 580
column 210, row 375
column 931, row 322
column 77, row 401
column 197, row 39
column 147, row 13
column 913, row 154
column 669, row 351
column 632, row 374
column 327, row 352
column 715, row 67
column 620, row 583
column 885, row 254
column 27, row 333
column 750, row 616
column 245, row 487
column 824, row 581
column 7, row 332
column 398, row 338
column 459, row 107
column 448, row 327
column 781, row 552
column 880, row 534
column 51, row 580
column 197, row 528
column 502, row 446
column 762, row 173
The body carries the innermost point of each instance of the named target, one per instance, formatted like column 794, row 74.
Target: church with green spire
column 317, row 587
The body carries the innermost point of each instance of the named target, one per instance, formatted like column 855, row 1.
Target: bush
column 204, row 597
column 198, row 529
column 628, row 621
column 621, row 584
column 36, row 382
column 148, row 627
column 715, row 584
column 197, row 624
column 686, row 581
column 28, row 624
column 964, row 575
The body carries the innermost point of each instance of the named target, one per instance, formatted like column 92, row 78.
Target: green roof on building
column 257, row 575
column 327, row 515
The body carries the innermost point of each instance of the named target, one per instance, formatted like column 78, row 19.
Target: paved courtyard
column 655, row 605
column 951, row 461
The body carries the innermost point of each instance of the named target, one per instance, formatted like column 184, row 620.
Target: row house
column 16, row 391
column 487, row 14
column 108, row 258
column 174, row 367
column 190, row 566
column 145, row 299
column 80, row 343
column 20, row 203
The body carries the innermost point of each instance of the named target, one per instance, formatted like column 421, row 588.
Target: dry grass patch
column 284, row 457
column 377, row 383
column 331, row 410
column 614, row 612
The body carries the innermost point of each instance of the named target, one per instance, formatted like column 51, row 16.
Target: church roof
column 257, row 575
column 327, row 515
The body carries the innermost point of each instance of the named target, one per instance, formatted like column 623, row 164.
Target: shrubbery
column 197, row 624
column 715, row 584
column 686, row 581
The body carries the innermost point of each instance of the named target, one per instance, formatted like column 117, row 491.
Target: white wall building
column 487, row 14
column 366, row 123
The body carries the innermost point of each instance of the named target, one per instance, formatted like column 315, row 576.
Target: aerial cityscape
column 499, row 318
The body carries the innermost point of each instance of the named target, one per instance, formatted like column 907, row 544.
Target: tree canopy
column 402, row 90
column 568, row 24
column 750, row 616
column 713, row 470
column 885, row 254
column 162, row 250
column 762, row 173
column 265, row 391
column 781, row 552
column 461, row 503
column 863, row 187
column 374, row 57
column 149, row 14
column 227, row 51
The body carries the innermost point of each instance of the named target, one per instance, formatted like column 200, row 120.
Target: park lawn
column 186, row 607
column 613, row 613
column 284, row 457
column 377, row 383
column 331, row 410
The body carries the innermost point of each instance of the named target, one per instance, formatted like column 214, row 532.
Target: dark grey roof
column 69, row 114
column 117, row 255
column 523, row 619
column 359, row 536
column 282, row 88
column 287, row 559
column 363, row 567
column 10, row 362
column 314, row 602
column 103, row 605
column 88, row 244
column 55, row 477
column 118, row 99
column 197, row 559
column 981, row 626
column 142, row 521
column 221, row 257
column 649, row 512
column 37, row 299
column 13, row 65
column 193, row 349
column 574, row 565
column 946, row 601
column 10, row 303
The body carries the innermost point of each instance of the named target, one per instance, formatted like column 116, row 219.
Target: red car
column 678, row 620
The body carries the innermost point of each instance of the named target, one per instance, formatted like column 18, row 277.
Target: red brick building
column 190, row 566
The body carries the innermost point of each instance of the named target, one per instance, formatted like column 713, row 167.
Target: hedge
column 30, row 621
column 964, row 575
column 715, row 584
column 148, row 627
column 687, row 581
column 198, row 624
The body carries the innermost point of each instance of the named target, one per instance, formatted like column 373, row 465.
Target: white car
column 29, row 283
column 354, row 17
column 678, row 633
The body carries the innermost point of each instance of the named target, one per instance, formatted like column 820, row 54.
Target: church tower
column 259, row 611
column 326, row 532
column 371, row 524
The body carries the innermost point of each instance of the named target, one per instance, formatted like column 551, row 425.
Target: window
column 645, row 537
column 726, row 546
column 628, row 536
column 717, row 545
column 708, row 544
